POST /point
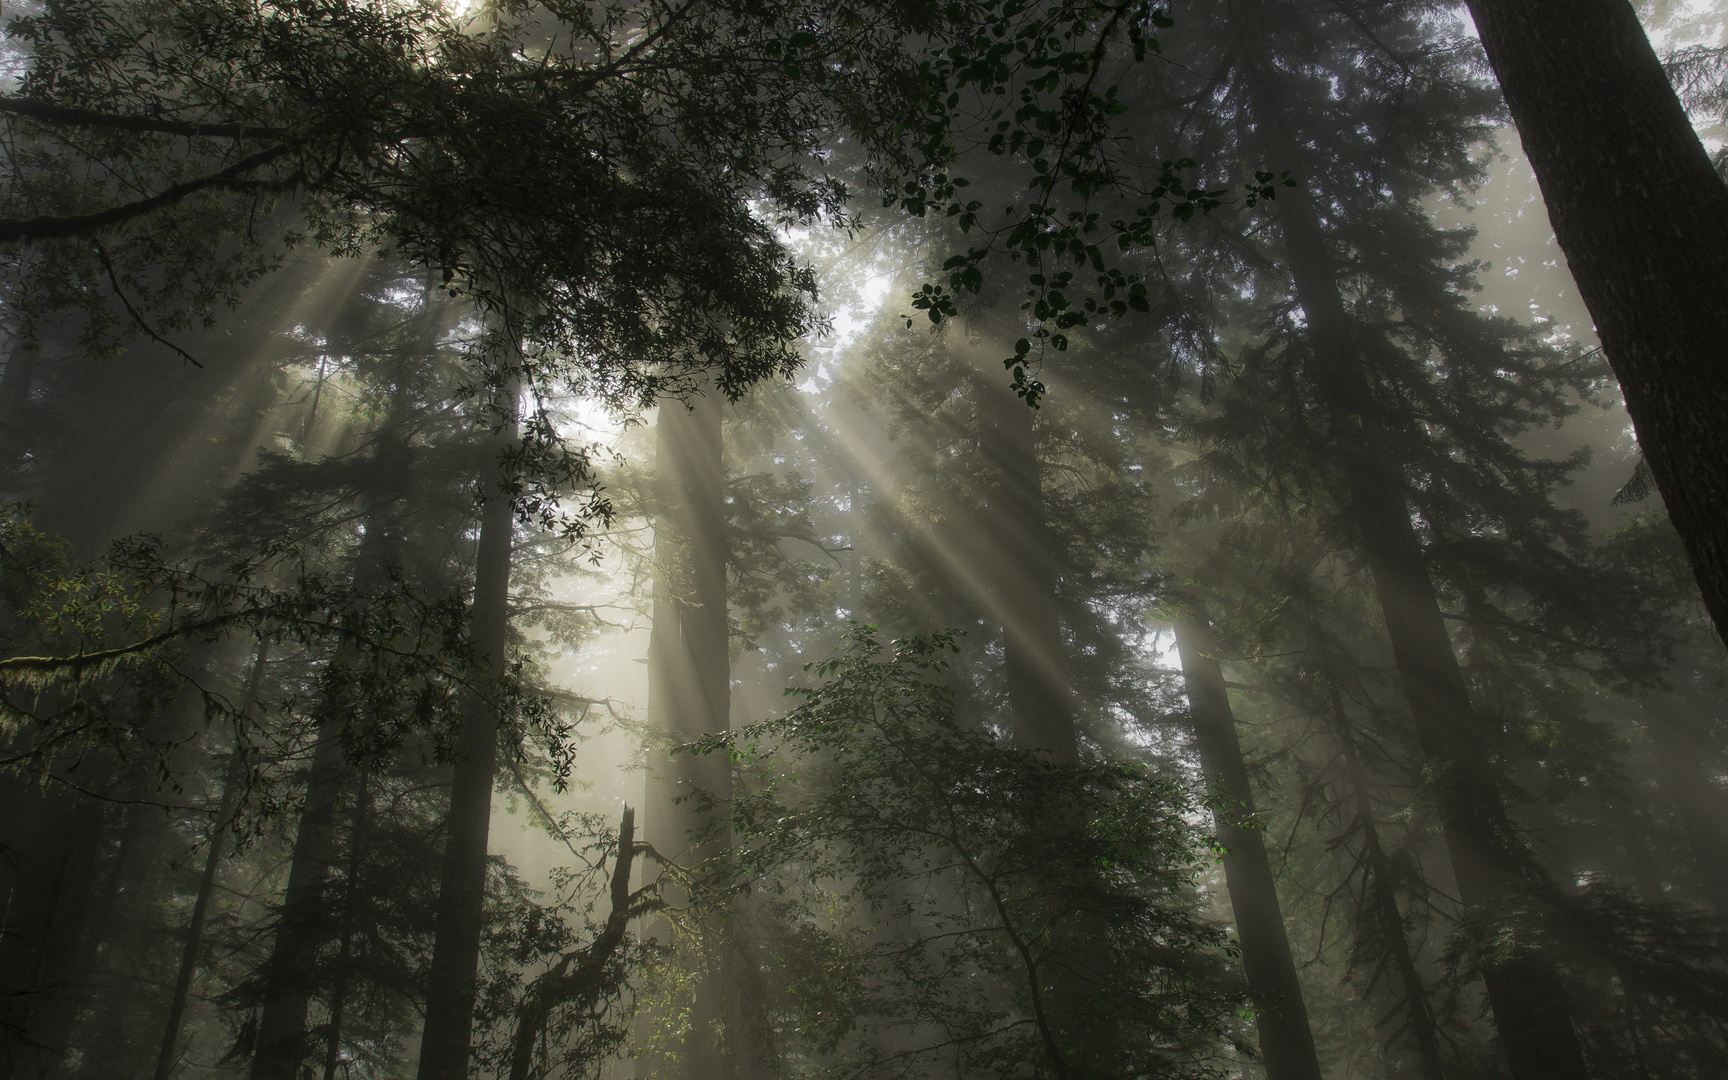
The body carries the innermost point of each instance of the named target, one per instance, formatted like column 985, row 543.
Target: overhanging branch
column 73, row 117
column 32, row 230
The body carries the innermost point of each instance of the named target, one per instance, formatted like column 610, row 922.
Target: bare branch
column 114, row 280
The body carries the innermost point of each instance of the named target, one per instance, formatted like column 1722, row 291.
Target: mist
column 709, row 541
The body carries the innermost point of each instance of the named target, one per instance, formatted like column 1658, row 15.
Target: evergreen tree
column 1377, row 376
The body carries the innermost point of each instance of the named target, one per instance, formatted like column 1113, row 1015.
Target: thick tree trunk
column 689, row 674
column 1642, row 216
column 461, row 910
column 1023, row 575
column 1286, row 1041
column 1525, row 992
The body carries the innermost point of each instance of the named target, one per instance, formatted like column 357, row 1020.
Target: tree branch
column 74, row 117
column 31, row 230
column 114, row 280
column 584, row 985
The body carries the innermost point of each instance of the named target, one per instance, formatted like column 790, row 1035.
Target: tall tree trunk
column 1642, row 216
column 139, row 843
column 357, row 837
column 1286, row 1041
column 58, row 982
column 1379, row 899
column 1525, row 992
column 1023, row 574
column 169, row 1054
column 302, row 928
column 461, row 909
column 689, row 669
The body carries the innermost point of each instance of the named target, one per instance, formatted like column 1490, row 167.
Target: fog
column 749, row 541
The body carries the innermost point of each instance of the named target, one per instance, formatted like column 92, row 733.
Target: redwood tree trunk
column 1023, row 577
column 461, row 909
column 690, row 673
column 1642, row 216
column 1286, row 1041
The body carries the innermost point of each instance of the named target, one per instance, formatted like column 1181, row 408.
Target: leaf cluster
column 984, row 907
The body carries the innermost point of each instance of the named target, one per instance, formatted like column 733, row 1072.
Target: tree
column 1028, row 528
column 445, row 1045
column 1678, row 715
column 582, row 979
column 215, row 840
column 689, row 677
column 1642, row 216
column 1362, row 388
column 973, row 882
column 1286, row 1042
column 636, row 251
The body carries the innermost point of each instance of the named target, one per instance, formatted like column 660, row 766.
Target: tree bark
column 689, row 673
column 461, row 909
column 1642, row 216
column 1286, row 1041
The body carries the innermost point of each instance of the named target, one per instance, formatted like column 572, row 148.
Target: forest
column 863, row 539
